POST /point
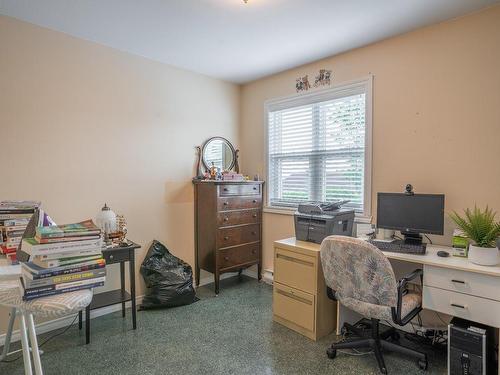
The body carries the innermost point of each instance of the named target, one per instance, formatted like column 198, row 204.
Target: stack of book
column 63, row 258
column 14, row 217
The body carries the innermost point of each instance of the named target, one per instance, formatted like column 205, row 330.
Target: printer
column 316, row 220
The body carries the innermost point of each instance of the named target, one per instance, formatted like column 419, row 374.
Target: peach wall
column 436, row 114
column 82, row 124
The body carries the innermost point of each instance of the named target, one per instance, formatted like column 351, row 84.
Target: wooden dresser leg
column 216, row 280
column 197, row 276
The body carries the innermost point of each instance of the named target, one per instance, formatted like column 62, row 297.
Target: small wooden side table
column 120, row 254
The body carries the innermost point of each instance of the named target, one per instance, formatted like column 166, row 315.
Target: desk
column 121, row 255
column 452, row 285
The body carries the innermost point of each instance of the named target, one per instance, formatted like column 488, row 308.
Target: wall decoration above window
column 323, row 78
column 302, row 84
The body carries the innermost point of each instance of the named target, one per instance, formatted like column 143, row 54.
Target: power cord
column 45, row 341
column 428, row 238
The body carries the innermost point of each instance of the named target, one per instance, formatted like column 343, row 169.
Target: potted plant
column 482, row 229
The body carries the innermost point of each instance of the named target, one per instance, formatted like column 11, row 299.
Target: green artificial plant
column 479, row 226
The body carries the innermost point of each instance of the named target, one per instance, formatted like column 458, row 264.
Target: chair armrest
column 402, row 290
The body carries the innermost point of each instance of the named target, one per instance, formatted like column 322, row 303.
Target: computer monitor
column 411, row 214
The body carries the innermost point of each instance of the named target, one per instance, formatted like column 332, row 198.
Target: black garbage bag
column 169, row 280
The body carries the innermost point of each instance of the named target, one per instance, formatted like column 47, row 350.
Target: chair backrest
column 357, row 270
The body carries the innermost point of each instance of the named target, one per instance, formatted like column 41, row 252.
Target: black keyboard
column 399, row 247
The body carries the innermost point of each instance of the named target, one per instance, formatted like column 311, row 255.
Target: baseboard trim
column 63, row 322
column 268, row 276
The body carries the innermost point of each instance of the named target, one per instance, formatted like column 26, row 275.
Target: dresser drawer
column 234, row 256
column 116, row 255
column 295, row 270
column 473, row 308
column 237, row 235
column 229, row 218
column 239, row 189
column 472, row 283
column 237, row 203
column 294, row 306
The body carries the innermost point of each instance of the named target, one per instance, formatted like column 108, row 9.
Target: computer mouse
column 444, row 254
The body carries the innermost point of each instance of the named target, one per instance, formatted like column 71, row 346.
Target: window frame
column 336, row 91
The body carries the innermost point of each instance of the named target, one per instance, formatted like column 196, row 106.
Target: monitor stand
column 412, row 238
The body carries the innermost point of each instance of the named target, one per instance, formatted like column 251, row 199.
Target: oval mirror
column 220, row 152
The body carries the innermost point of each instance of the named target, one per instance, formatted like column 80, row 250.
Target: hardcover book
column 85, row 228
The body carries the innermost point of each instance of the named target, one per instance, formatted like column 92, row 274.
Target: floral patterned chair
column 361, row 278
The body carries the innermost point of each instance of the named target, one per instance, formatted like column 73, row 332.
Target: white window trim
column 338, row 90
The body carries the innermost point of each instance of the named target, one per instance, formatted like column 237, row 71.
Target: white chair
column 49, row 307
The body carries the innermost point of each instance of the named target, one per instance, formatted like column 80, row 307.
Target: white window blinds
column 316, row 151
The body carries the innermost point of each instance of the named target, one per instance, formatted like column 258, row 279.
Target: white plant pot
column 484, row 256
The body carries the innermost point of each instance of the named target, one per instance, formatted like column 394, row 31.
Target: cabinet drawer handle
column 459, row 306
column 255, row 187
column 254, row 201
column 254, row 215
column 111, row 257
column 226, row 258
column 254, row 233
column 295, row 260
column 254, row 251
column 226, row 219
column 226, row 238
column 458, row 281
column 225, row 203
column 293, row 296
column 226, row 189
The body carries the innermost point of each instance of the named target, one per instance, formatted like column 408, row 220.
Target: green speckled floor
column 229, row 334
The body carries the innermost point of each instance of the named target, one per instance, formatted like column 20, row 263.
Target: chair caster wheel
column 423, row 364
column 331, row 353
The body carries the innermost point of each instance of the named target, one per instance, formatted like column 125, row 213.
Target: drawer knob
column 111, row 257
column 255, row 187
column 254, row 201
column 254, row 233
column 226, row 219
column 458, row 281
column 226, row 238
column 226, row 258
column 254, row 215
column 459, row 306
column 225, row 189
column 225, row 203
column 254, row 251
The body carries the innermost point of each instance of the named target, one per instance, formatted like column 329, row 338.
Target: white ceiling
column 231, row 40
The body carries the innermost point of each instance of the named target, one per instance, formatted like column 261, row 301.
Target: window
column 319, row 147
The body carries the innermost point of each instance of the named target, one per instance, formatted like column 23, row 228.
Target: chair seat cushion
column 370, row 310
column 51, row 306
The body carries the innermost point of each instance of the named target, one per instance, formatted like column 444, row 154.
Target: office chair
column 359, row 276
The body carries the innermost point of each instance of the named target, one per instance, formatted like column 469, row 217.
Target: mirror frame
column 202, row 152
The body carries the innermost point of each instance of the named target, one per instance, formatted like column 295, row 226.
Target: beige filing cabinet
column 299, row 296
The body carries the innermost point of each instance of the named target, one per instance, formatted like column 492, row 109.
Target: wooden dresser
column 228, row 227
column 300, row 301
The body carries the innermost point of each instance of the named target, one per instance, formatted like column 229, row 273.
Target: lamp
column 106, row 220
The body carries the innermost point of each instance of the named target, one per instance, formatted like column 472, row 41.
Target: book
column 33, row 247
column 19, row 205
column 35, row 272
column 85, row 228
column 72, row 254
column 65, row 239
column 64, row 261
column 16, row 222
column 60, row 279
column 63, row 286
column 8, row 216
column 51, row 292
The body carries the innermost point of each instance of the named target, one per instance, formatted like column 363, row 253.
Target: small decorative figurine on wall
column 302, row 84
column 323, row 78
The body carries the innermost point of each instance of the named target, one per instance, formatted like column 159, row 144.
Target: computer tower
column 471, row 348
